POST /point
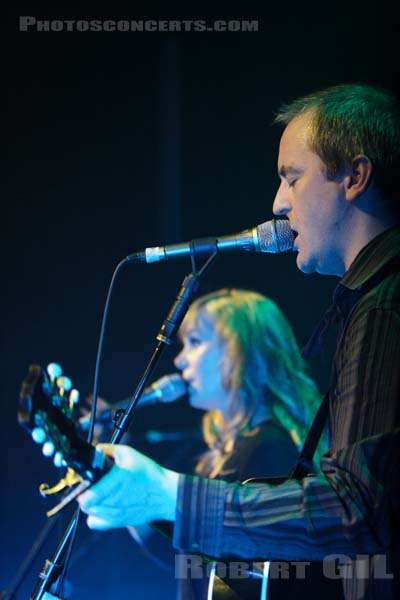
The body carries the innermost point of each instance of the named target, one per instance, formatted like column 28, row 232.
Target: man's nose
column 281, row 205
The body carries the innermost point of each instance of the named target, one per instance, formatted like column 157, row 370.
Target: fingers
column 112, row 485
column 104, row 489
column 86, row 500
column 122, row 455
column 136, row 490
column 108, row 517
column 98, row 523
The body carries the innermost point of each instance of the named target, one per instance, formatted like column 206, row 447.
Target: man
column 339, row 165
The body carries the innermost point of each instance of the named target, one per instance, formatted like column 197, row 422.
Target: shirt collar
column 358, row 278
column 377, row 253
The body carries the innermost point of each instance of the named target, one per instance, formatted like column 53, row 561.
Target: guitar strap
column 304, row 463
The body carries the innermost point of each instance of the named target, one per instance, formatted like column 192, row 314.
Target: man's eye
column 292, row 182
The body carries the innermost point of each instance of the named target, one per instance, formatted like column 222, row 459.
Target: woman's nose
column 180, row 361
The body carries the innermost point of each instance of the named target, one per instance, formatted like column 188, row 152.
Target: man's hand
column 136, row 491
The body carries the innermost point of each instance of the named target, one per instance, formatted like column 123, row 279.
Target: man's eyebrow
column 285, row 171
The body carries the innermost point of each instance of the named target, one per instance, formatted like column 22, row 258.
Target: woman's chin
column 196, row 401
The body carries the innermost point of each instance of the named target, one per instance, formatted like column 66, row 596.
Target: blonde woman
column 242, row 365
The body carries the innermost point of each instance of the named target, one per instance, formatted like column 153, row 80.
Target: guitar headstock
column 47, row 406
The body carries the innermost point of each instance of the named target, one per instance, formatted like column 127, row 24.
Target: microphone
column 272, row 236
column 166, row 389
column 153, row 436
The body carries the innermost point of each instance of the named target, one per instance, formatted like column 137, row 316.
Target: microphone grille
column 275, row 236
column 172, row 387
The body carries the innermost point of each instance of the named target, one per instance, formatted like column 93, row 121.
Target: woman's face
column 200, row 362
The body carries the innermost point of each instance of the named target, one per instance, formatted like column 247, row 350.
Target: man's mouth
column 295, row 234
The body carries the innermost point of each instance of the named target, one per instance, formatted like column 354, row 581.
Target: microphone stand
column 201, row 251
column 10, row 592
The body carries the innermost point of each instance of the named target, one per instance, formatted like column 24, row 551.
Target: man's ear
column 359, row 177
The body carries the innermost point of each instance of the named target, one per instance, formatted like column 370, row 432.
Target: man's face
column 316, row 208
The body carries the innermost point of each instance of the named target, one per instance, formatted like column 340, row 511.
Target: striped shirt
column 353, row 508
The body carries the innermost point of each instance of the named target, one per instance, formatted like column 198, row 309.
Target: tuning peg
column 74, row 396
column 38, row 435
column 58, row 460
column 48, row 448
column 54, row 370
column 64, row 383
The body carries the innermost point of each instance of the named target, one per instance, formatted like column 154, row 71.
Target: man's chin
column 306, row 265
column 310, row 265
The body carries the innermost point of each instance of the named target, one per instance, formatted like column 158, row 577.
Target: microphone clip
column 202, row 251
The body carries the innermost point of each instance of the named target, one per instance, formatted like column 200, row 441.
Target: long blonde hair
column 262, row 368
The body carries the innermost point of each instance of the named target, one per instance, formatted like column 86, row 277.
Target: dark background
column 119, row 141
